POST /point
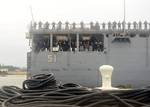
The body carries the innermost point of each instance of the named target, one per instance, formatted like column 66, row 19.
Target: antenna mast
column 31, row 14
column 124, row 20
column 32, row 22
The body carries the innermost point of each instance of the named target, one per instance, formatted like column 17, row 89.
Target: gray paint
column 130, row 60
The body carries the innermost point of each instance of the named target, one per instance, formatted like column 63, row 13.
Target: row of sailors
column 113, row 25
column 85, row 45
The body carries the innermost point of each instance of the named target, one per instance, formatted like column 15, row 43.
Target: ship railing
column 115, row 26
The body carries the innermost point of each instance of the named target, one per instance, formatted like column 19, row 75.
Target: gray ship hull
column 130, row 62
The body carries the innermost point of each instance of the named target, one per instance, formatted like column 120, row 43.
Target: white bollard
column 106, row 73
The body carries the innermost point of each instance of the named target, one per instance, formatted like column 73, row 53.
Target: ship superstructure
column 74, row 52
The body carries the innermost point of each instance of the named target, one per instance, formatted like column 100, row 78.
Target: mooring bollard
column 106, row 73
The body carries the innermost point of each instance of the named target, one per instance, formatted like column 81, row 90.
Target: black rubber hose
column 124, row 103
column 43, row 91
column 63, row 96
column 41, row 81
column 10, row 91
column 69, row 85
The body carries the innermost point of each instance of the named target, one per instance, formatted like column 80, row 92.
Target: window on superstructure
column 91, row 43
column 143, row 35
column 41, row 43
column 63, row 43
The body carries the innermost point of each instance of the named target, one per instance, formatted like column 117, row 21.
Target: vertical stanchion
column 51, row 42
column 77, row 40
column 147, row 52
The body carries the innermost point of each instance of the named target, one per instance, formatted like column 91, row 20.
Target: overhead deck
column 91, row 28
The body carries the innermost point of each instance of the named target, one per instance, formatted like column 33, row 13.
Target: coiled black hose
column 41, row 81
column 69, row 85
column 44, row 91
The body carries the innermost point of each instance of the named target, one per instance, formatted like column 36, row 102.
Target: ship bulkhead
column 75, row 54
